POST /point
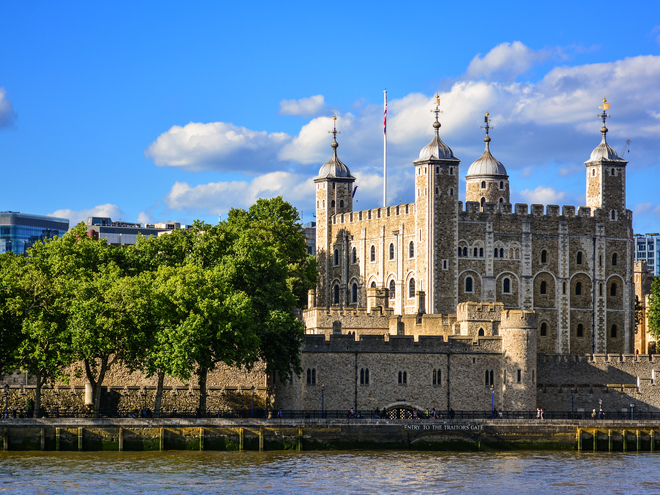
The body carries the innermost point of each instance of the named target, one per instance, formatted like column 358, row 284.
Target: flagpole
column 385, row 151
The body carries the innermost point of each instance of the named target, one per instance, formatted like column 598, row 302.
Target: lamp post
column 144, row 402
column 253, row 401
column 322, row 401
column 573, row 403
column 492, row 402
column 6, row 400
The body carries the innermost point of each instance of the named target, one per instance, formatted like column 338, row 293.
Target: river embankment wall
column 67, row 434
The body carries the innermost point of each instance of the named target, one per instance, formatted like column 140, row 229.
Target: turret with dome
column 486, row 179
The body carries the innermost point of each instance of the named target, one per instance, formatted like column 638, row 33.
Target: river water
column 322, row 472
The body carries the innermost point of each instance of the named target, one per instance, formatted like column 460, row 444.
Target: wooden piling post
column 57, row 439
column 595, row 442
column 652, row 440
column 625, row 443
column 162, row 439
column 5, row 438
column 121, row 439
column 241, row 435
column 43, row 439
column 80, row 439
column 201, row 438
column 300, row 438
column 639, row 440
column 609, row 440
column 579, row 439
column 261, row 439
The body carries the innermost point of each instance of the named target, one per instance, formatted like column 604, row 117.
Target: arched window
column 464, row 251
column 366, row 376
column 563, row 288
column 361, row 376
column 613, row 214
column 373, row 253
column 483, row 184
column 392, row 251
column 354, row 255
column 487, row 376
column 613, row 172
column 544, row 329
column 332, row 203
column 483, row 202
column 335, row 296
column 341, row 203
column 600, row 289
column 435, row 377
column 481, row 332
column 392, row 289
column 411, row 250
column 578, row 289
column 400, row 377
column 336, row 257
column 593, row 172
column 451, row 170
column 501, row 200
column 411, row 288
column 437, row 170
column 405, row 377
column 309, row 376
column 437, row 191
column 468, row 284
column 506, row 286
column 579, row 331
column 544, row 287
column 451, row 191
column 501, row 252
column 614, row 259
column 475, row 252
column 544, row 256
column 373, row 285
column 501, row 184
column 613, row 289
column 579, row 258
column 613, row 331
column 354, row 293
column 481, row 252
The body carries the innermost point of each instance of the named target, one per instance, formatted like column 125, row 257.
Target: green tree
column 203, row 321
column 653, row 313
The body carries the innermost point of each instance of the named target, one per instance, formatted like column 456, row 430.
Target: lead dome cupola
column 604, row 151
column 487, row 164
column 334, row 168
column 436, row 149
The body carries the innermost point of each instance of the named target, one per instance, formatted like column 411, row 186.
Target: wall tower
column 436, row 222
column 334, row 196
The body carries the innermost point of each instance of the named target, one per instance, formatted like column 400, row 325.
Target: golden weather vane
column 437, row 110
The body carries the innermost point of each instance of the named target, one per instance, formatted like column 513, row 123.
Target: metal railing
column 391, row 414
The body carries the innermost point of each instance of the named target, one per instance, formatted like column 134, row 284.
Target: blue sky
column 158, row 111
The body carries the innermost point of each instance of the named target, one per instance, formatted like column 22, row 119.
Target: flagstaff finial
column 437, row 111
column 334, row 133
column 605, row 106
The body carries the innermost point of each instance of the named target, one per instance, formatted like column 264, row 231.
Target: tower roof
column 604, row 151
column 436, row 149
column 334, row 168
column 487, row 164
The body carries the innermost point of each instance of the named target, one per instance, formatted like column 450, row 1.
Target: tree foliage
column 653, row 313
column 178, row 304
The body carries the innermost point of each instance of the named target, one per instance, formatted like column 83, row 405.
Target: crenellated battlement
column 518, row 319
column 374, row 214
column 401, row 344
column 599, row 358
column 534, row 210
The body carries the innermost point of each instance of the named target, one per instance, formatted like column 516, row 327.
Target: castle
column 434, row 303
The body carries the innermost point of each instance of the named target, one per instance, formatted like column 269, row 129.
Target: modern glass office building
column 19, row 231
column 646, row 249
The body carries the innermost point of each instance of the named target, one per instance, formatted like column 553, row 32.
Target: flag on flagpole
column 385, row 117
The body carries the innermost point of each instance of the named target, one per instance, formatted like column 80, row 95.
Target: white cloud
column 505, row 61
column 77, row 216
column 7, row 114
column 543, row 195
column 219, row 197
column 304, row 107
column 217, row 145
column 655, row 32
